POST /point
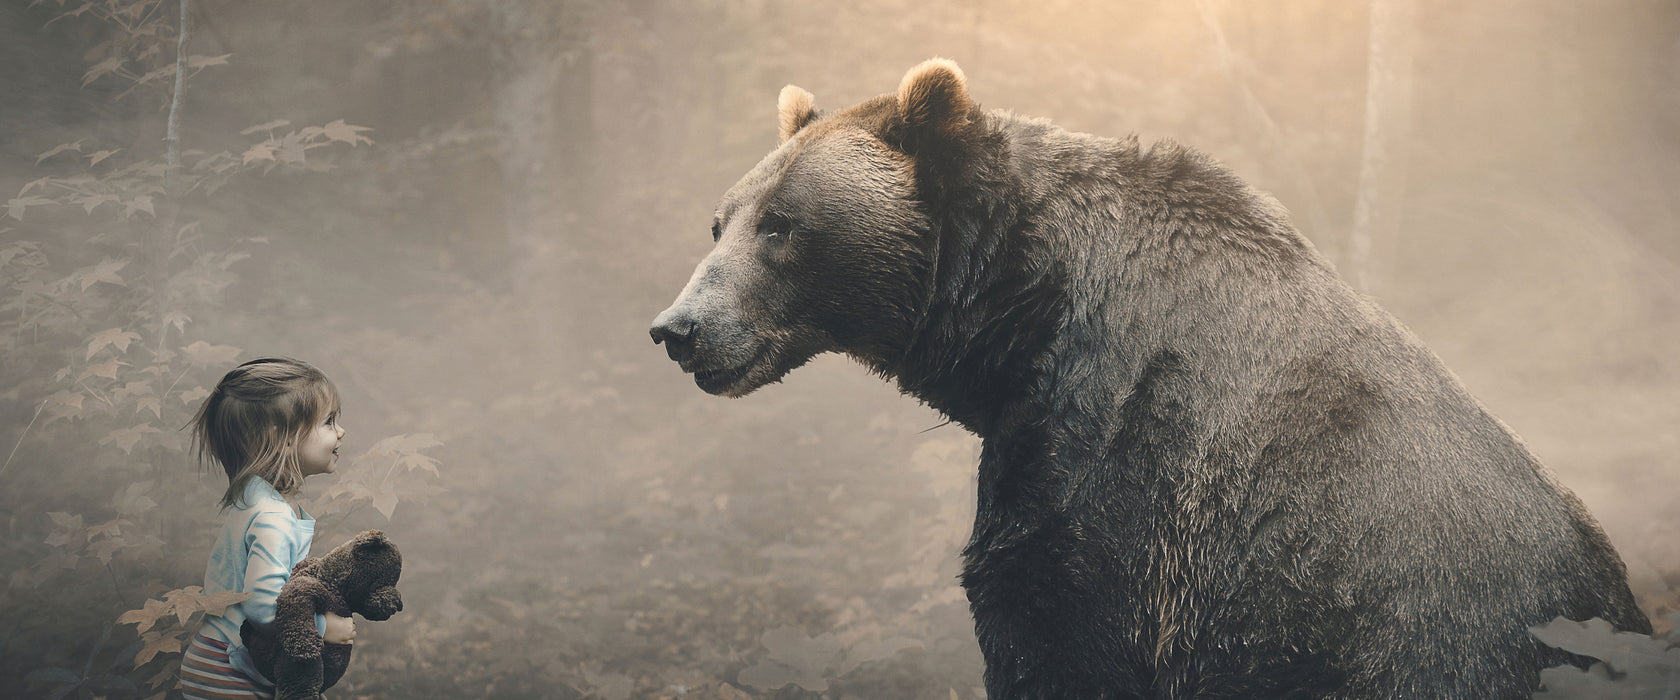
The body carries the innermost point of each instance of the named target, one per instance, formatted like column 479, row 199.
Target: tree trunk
column 1388, row 124
column 542, row 72
column 161, row 241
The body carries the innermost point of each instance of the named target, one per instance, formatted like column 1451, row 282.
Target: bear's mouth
column 715, row 381
column 725, row 380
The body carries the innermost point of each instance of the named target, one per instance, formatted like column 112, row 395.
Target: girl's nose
column 340, row 430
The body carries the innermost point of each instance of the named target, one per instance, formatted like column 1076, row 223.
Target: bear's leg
column 297, row 679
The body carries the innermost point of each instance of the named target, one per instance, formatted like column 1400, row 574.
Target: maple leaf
column 109, row 528
column 265, row 126
column 292, row 148
column 337, row 130
column 140, row 203
column 107, row 370
column 92, row 201
column 261, row 151
column 96, row 156
column 14, row 250
column 203, row 354
column 73, row 399
column 108, row 337
column 154, row 75
column 102, row 68
column 184, row 601
column 134, row 500
column 412, row 462
column 60, row 148
column 15, row 207
column 151, row 402
column 385, row 503
column 194, row 394
column 104, row 549
column 218, row 603
column 65, row 521
column 199, row 62
column 32, row 184
column 104, row 272
column 156, row 643
column 406, row 443
column 60, row 412
column 146, row 616
column 125, row 438
column 137, row 388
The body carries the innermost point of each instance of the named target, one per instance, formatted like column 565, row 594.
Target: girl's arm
column 269, row 547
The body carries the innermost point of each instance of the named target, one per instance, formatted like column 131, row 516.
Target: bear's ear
column 372, row 540
column 933, row 99
column 796, row 107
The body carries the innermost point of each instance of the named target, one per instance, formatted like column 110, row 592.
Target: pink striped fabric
column 207, row 675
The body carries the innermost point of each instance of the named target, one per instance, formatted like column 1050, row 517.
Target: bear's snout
column 382, row 604
column 674, row 327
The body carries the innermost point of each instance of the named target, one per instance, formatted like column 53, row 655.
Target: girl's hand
column 340, row 630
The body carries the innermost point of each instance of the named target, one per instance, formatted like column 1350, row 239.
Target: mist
column 467, row 212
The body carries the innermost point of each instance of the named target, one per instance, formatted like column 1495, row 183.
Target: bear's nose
column 675, row 328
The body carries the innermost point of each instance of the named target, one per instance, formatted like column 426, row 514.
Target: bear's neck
column 1032, row 315
column 996, row 300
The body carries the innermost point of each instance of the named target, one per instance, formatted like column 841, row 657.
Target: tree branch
column 172, row 137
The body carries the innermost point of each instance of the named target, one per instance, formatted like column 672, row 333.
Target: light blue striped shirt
column 260, row 541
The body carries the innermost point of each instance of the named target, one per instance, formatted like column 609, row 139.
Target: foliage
column 105, row 269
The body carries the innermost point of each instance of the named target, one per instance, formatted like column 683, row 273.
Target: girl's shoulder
column 259, row 500
column 259, row 493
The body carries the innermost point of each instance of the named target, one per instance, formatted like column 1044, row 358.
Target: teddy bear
column 359, row 576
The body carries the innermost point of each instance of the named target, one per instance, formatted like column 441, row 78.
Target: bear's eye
column 717, row 231
column 775, row 225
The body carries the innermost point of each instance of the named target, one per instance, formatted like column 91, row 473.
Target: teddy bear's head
column 364, row 570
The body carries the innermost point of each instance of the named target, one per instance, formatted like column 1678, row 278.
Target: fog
column 477, row 269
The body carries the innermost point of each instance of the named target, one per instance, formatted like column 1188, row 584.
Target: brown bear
column 1209, row 469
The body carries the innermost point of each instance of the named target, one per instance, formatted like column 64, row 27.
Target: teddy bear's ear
column 372, row 541
column 795, row 107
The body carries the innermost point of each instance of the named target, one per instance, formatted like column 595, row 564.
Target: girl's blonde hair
column 254, row 420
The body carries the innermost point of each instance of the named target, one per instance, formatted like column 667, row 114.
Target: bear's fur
column 1210, row 468
column 359, row 576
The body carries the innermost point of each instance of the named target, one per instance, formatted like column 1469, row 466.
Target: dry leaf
column 96, row 156
column 337, row 130
column 204, row 354
column 60, row 148
column 103, row 272
column 112, row 336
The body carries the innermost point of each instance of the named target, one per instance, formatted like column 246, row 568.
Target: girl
column 270, row 423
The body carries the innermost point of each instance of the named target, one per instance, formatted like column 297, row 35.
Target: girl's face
column 318, row 451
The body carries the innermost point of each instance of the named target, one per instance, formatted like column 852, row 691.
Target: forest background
column 467, row 212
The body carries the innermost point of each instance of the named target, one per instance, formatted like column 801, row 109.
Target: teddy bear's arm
column 294, row 615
